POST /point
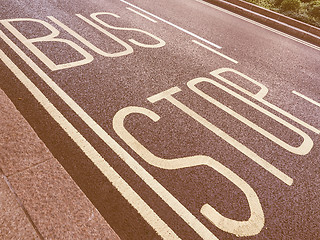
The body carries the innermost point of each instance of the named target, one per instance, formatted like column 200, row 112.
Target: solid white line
column 259, row 24
column 216, row 52
column 173, row 25
column 142, row 15
column 146, row 212
column 117, row 181
column 306, row 98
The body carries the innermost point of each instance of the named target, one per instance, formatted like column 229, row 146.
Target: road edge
column 272, row 19
column 45, row 196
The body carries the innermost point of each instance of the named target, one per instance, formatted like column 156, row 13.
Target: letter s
column 250, row 227
column 158, row 45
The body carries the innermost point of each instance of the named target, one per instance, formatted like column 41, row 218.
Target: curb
column 38, row 198
column 272, row 19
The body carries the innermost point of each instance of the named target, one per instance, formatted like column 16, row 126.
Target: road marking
column 128, row 48
column 145, row 211
column 250, row 227
column 158, row 45
column 233, row 142
column 306, row 98
column 259, row 24
column 216, row 52
column 117, row 181
column 173, row 25
column 304, row 148
column 260, row 97
column 142, row 15
column 51, row 37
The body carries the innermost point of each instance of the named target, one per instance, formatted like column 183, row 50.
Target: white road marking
column 142, row 15
column 259, row 24
column 304, row 148
column 173, row 25
column 118, row 182
column 250, row 227
column 160, row 43
column 260, row 97
column 51, row 37
column 128, row 48
column 216, row 52
column 233, row 142
column 306, row 98
column 145, row 211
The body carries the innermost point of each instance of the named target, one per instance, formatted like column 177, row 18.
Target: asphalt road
column 176, row 118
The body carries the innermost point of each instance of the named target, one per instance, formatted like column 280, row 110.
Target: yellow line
column 216, row 52
column 142, row 15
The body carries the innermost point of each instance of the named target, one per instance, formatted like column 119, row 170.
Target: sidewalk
column 38, row 199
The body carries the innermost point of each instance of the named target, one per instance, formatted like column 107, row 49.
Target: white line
column 142, row 15
column 260, row 25
column 173, row 25
column 144, row 210
column 242, row 148
column 132, row 197
column 216, row 52
column 306, row 98
column 117, row 181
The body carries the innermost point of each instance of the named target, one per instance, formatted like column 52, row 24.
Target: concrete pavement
column 38, row 199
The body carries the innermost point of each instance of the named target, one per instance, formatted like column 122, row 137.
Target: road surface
column 178, row 119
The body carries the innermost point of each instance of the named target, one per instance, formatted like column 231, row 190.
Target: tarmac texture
column 150, row 133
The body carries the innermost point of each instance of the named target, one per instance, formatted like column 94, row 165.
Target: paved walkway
column 38, row 199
